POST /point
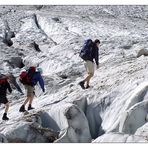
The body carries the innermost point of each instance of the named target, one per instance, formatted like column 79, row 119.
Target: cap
column 40, row 70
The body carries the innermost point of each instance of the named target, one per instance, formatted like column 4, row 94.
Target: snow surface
column 114, row 109
column 120, row 138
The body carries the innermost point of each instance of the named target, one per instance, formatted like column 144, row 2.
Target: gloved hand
column 43, row 90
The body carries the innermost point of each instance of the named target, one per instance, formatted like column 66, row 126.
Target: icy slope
column 120, row 138
column 119, row 89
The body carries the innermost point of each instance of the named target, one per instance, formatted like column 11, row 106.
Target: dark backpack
column 3, row 82
column 26, row 77
column 86, row 50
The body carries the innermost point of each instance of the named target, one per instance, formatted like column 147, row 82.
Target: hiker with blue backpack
column 29, row 79
column 89, row 53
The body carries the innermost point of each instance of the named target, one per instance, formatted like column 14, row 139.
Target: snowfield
column 113, row 109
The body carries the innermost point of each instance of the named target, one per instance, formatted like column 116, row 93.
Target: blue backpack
column 86, row 50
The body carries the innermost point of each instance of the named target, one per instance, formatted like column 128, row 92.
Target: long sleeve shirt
column 95, row 54
column 38, row 78
column 3, row 89
column 14, row 82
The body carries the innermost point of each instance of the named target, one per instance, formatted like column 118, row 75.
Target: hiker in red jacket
column 4, row 85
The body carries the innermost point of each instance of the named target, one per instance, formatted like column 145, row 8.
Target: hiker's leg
column 26, row 101
column 86, row 66
column 90, row 71
column 4, row 100
column 31, row 96
column 87, row 79
column 22, row 108
column 30, row 103
column 30, row 100
column 82, row 83
column 6, row 107
column 6, row 110
column 29, row 90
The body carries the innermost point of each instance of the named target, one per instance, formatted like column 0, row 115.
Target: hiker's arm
column 41, row 82
column 9, row 88
column 18, row 87
column 97, row 57
column 14, row 82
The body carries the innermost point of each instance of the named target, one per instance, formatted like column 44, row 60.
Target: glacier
column 113, row 109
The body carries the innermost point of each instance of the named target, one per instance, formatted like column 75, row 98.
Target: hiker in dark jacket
column 4, row 85
column 89, row 64
column 30, row 88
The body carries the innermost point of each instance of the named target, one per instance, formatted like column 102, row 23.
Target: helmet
column 40, row 70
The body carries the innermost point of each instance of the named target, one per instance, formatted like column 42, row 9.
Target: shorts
column 30, row 90
column 3, row 100
column 90, row 67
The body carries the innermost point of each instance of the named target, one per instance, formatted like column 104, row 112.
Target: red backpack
column 27, row 76
column 3, row 81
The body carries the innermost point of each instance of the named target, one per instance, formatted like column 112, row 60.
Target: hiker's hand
column 44, row 90
column 97, row 66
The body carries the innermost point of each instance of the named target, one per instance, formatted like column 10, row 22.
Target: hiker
column 4, row 85
column 12, row 80
column 89, row 52
column 30, row 79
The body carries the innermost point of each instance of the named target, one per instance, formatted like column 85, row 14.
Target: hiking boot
column 82, row 84
column 22, row 109
column 87, row 87
column 5, row 116
column 30, row 107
